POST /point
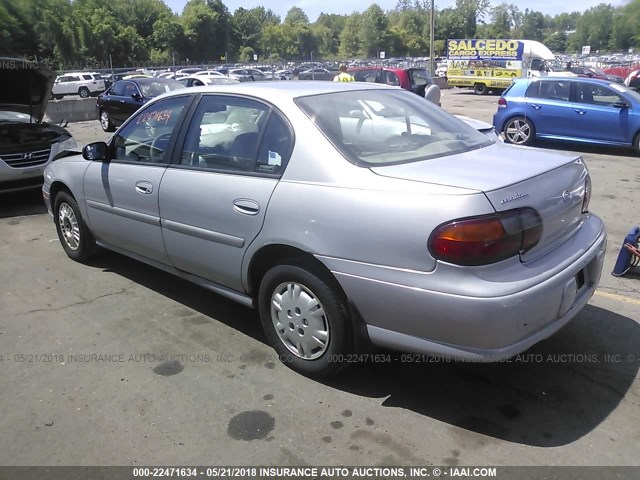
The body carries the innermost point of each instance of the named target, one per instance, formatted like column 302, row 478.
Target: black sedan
column 124, row 97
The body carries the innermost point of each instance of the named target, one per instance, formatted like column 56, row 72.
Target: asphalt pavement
column 117, row 363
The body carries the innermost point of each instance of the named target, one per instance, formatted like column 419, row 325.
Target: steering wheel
column 158, row 147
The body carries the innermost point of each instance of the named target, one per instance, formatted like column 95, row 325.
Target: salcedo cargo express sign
column 478, row 49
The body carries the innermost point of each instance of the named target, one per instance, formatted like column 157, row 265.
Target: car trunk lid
column 551, row 183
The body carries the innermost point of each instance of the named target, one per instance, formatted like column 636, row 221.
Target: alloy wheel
column 518, row 131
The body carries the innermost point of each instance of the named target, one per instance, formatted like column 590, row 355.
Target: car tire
column 58, row 97
column 519, row 131
column 480, row 89
column 289, row 298
column 105, row 122
column 84, row 92
column 636, row 144
column 76, row 239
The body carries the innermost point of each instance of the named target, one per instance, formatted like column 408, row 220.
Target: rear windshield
column 387, row 127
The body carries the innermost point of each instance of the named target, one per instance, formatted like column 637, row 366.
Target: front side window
column 118, row 89
column 146, row 137
column 537, row 65
column 130, row 89
column 385, row 127
column 225, row 134
column 594, row 94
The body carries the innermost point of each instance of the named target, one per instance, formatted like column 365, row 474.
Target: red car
column 417, row 80
column 590, row 72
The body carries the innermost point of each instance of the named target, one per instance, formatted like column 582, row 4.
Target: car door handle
column 536, row 106
column 145, row 188
column 246, row 206
column 579, row 112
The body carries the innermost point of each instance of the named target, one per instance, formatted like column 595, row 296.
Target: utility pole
column 432, row 38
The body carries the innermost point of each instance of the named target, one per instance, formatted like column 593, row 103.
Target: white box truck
column 492, row 64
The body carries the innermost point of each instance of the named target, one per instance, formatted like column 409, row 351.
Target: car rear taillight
column 486, row 239
column 587, row 194
column 502, row 102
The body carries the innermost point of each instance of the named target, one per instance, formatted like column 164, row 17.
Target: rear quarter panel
column 329, row 207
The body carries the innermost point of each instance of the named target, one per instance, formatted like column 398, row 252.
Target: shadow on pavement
column 241, row 318
column 26, row 202
column 585, row 148
column 551, row 395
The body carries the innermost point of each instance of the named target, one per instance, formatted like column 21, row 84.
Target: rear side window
column 550, row 90
column 87, row 77
column 533, row 90
column 276, row 146
column 367, row 76
column 420, row 76
column 391, row 79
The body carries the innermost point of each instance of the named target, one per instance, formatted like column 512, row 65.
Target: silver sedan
column 347, row 214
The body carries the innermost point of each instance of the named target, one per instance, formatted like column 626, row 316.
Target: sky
column 313, row 8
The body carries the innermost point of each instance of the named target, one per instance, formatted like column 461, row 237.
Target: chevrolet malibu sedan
column 574, row 109
column 407, row 229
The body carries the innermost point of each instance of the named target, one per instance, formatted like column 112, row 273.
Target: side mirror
column 620, row 104
column 137, row 97
column 95, row 151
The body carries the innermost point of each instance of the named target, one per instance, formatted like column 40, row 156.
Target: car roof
column 564, row 79
column 289, row 90
column 145, row 80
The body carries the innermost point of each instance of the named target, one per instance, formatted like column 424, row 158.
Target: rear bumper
column 543, row 296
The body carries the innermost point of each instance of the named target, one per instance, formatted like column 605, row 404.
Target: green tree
column 246, row 54
column 206, row 29
column 350, row 36
column 471, row 12
column 556, row 42
column 533, row 26
column 296, row 15
column 594, row 28
column 373, row 28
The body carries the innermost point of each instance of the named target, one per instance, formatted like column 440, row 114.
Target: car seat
column 432, row 93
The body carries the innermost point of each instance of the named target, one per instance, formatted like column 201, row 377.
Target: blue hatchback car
column 575, row 109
